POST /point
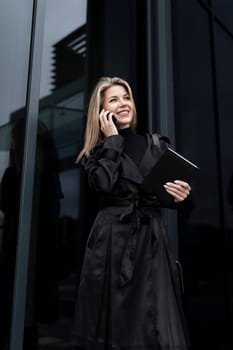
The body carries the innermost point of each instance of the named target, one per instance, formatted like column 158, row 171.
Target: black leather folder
column 170, row 167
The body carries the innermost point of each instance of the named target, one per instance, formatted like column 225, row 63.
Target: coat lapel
column 136, row 173
column 129, row 170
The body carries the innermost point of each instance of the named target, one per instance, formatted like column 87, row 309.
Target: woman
column 129, row 293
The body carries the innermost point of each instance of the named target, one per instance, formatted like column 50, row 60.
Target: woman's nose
column 122, row 102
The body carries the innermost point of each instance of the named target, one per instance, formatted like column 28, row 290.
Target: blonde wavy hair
column 93, row 135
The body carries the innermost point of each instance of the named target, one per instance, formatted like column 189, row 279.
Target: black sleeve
column 102, row 165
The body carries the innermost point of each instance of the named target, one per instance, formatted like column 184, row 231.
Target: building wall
column 202, row 52
column 15, row 36
column 42, row 43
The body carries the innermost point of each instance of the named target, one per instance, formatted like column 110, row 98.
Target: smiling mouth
column 123, row 113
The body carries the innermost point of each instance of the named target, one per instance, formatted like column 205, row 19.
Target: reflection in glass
column 15, row 34
column 202, row 240
column 55, row 232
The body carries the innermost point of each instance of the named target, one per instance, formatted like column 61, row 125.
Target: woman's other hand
column 107, row 125
column 178, row 189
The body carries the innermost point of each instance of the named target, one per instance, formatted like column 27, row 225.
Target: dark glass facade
column 177, row 56
column 202, row 52
column 42, row 101
column 14, row 64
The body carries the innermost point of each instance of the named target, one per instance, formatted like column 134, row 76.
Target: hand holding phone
column 108, row 123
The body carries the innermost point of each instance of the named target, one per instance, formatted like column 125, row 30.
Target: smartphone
column 114, row 119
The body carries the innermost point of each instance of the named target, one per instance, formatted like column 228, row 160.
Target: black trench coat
column 129, row 295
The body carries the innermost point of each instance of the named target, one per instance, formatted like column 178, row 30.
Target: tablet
column 171, row 166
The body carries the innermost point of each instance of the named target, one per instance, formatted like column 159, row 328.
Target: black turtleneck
column 134, row 144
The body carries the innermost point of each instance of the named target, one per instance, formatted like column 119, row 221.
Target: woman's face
column 118, row 101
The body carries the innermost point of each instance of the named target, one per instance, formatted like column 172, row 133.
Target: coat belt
column 135, row 213
column 127, row 263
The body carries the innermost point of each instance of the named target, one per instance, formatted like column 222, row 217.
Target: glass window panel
column 200, row 233
column 15, row 35
column 224, row 57
column 56, row 212
column 223, row 10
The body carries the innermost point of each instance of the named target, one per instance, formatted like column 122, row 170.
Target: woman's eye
column 112, row 100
